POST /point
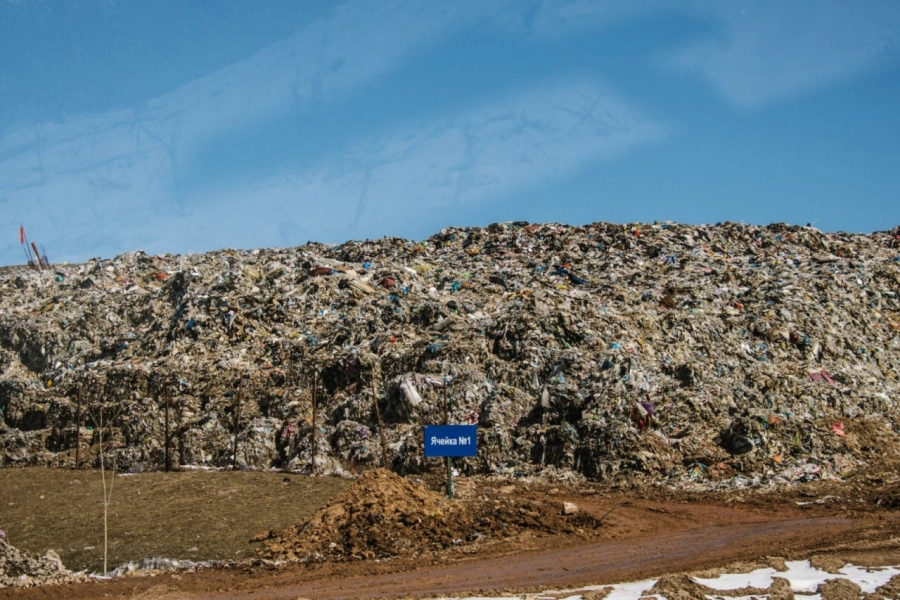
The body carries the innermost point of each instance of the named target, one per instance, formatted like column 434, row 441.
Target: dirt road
column 606, row 562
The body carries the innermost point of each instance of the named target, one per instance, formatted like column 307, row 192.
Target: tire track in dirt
column 605, row 562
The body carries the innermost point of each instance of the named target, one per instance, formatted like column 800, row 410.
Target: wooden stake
column 450, row 477
column 77, row 425
column 237, row 422
column 168, row 397
column 380, row 425
column 37, row 257
column 315, row 390
column 449, row 459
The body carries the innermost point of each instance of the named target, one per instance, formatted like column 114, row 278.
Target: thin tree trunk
column 167, row 397
column 77, row 426
column 102, row 424
column 107, row 492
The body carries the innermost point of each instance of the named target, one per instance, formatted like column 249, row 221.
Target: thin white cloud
column 388, row 181
column 107, row 183
column 759, row 52
column 555, row 18
column 764, row 52
column 120, row 171
column 360, row 41
column 99, row 185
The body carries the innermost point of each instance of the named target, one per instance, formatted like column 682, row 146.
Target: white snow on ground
column 803, row 577
column 633, row 590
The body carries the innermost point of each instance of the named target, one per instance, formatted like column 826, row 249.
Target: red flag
column 21, row 234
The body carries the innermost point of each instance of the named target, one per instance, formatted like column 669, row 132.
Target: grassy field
column 192, row 515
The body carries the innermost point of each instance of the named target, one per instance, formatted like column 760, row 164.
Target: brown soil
column 382, row 550
column 383, row 515
column 190, row 515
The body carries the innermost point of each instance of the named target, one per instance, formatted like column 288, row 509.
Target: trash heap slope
column 688, row 352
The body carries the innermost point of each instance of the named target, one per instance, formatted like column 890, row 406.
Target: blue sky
column 192, row 125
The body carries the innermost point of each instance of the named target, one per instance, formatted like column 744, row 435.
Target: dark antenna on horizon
column 26, row 247
column 36, row 259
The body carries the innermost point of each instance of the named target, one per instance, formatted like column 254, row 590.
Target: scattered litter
column 19, row 569
column 705, row 356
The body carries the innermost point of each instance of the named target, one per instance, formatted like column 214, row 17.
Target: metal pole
column 77, row 425
column 237, row 421
column 314, row 408
column 380, row 424
column 449, row 459
column 37, row 257
column 450, row 477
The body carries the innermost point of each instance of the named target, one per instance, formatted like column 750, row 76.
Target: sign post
column 450, row 441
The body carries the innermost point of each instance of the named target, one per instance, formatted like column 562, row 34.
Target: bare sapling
column 102, row 422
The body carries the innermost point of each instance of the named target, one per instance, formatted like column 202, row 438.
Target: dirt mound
column 383, row 515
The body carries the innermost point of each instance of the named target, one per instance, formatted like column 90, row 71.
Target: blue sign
column 450, row 440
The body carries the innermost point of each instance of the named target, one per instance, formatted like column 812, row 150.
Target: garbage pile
column 18, row 569
column 712, row 354
column 383, row 515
